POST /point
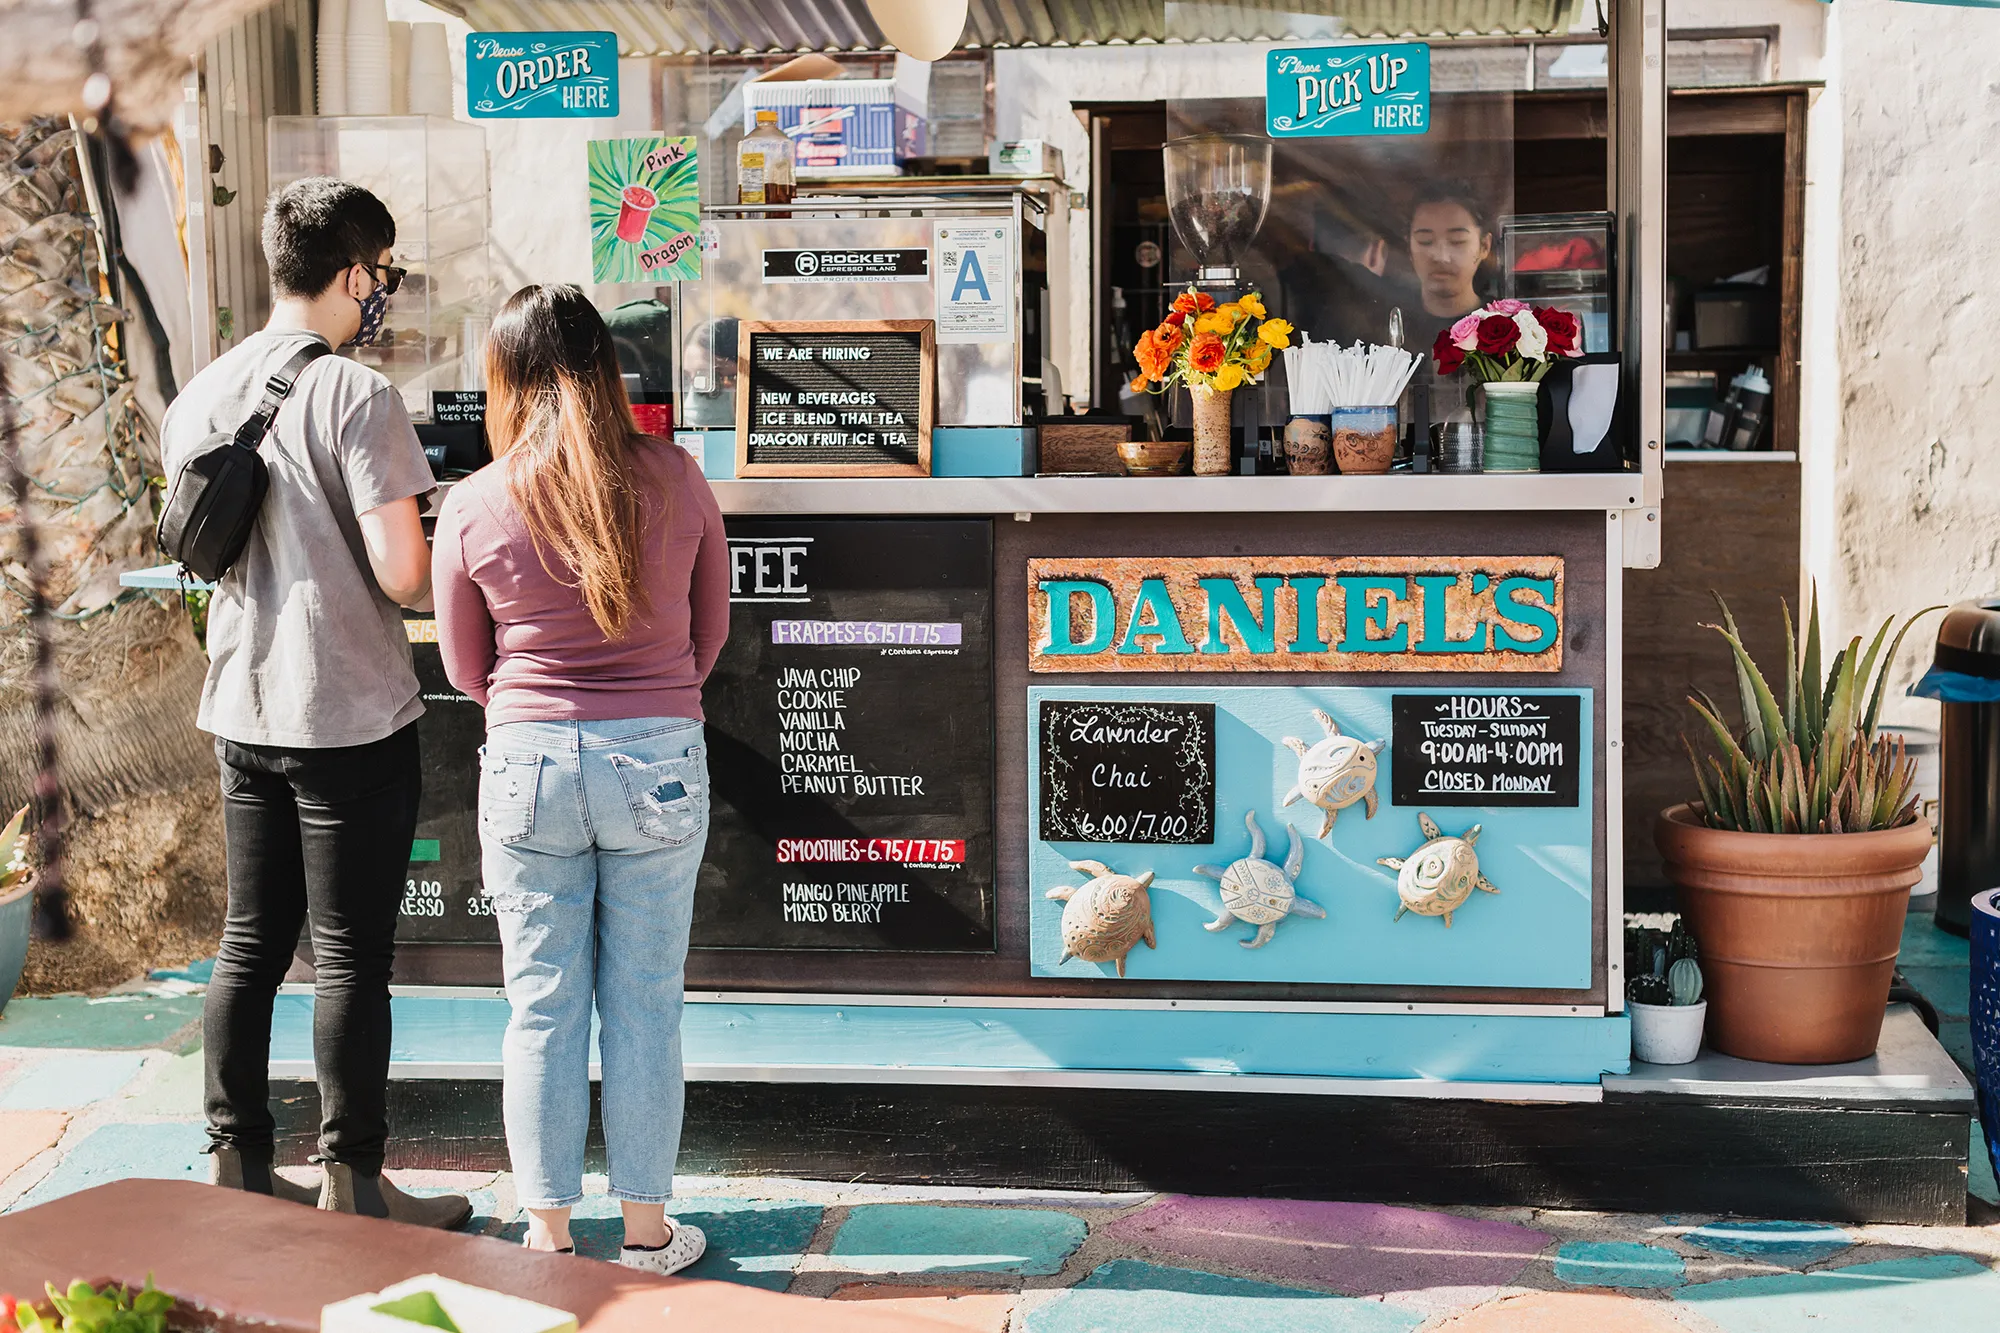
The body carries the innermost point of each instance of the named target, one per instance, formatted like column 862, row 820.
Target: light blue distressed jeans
column 591, row 835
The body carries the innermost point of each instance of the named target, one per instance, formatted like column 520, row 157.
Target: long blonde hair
column 561, row 425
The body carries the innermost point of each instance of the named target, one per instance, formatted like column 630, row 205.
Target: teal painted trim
column 1455, row 1047
column 956, row 451
column 168, row 578
column 982, row 451
column 715, row 448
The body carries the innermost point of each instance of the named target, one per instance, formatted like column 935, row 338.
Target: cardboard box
column 1025, row 157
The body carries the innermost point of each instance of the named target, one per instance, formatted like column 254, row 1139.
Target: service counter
column 945, row 698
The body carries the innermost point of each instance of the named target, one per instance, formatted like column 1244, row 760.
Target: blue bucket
column 1986, row 1015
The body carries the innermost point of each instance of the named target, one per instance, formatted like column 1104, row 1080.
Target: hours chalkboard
column 1127, row 772
column 850, row 739
column 1486, row 749
column 835, row 398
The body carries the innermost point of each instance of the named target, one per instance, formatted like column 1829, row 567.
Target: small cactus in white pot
column 1667, row 1011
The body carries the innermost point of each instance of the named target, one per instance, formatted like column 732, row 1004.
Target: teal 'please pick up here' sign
column 541, row 75
column 1322, row 91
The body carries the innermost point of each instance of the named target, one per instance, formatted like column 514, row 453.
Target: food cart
column 1082, row 828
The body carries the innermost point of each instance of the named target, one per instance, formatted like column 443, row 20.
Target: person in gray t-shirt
column 313, row 701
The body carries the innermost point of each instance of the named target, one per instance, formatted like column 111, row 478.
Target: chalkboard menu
column 441, row 899
column 1486, row 749
column 458, row 407
column 835, row 398
column 1127, row 772
column 850, row 739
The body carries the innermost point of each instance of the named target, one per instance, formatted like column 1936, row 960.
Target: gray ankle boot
column 350, row 1191
column 228, row 1168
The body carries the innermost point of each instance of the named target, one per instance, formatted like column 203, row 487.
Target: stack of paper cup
column 430, row 70
column 367, row 58
column 330, row 53
column 399, row 68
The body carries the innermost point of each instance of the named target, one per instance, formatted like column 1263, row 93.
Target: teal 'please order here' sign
column 1372, row 88
column 541, row 75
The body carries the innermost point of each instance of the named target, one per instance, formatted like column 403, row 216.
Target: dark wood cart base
column 1822, row 1155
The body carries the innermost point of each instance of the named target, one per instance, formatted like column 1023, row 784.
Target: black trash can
column 1965, row 677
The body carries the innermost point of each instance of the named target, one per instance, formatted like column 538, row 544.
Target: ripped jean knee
column 516, row 901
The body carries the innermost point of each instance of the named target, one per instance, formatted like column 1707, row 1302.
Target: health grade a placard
column 645, row 210
column 1326, row 91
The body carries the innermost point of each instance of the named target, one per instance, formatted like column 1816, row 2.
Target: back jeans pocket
column 669, row 799
column 508, row 786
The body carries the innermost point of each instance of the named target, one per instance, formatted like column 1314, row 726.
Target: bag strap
column 251, row 433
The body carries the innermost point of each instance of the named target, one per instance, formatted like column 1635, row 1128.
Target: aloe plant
column 14, row 866
column 1814, row 765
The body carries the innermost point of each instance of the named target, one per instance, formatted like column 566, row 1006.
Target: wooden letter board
column 835, row 398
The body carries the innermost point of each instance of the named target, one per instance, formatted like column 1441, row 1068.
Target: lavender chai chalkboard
column 1127, row 772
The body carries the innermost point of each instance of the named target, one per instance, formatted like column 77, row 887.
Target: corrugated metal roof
column 758, row 27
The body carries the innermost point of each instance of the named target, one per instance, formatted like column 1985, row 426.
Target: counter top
column 1399, row 492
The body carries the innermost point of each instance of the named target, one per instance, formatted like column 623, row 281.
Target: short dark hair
column 1454, row 192
column 317, row 227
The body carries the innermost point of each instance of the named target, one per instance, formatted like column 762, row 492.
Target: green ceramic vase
column 1513, row 430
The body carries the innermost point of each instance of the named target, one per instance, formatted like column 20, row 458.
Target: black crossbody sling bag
column 212, row 502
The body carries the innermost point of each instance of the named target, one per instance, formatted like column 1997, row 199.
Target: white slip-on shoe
column 686, row 1245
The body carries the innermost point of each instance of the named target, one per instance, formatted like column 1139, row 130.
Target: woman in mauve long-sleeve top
column 582, row 587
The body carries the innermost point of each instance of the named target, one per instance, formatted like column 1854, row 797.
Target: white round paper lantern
column 920, row 29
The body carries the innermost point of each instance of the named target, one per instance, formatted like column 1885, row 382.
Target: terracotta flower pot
column 1798, row 932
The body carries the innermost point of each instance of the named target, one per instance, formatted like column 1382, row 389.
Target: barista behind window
column 709, row 374
column 1451, row 240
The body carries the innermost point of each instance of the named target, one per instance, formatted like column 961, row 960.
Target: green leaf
column 1705, row 710
column 1840, row 698
column 1810, row 678
column 1875, row 700
column 1761, row 717
column 1791, row 674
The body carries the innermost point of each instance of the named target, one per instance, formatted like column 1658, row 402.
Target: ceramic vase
column 1513, row 440
column 1666, row 1034
column 1308, row 446
column 1212, row 436
column 1798, row 932
column 1985, row 933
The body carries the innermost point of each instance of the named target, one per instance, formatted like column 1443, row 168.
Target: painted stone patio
column 95, row 1091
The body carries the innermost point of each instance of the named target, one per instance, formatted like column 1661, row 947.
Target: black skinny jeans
column 319, row 836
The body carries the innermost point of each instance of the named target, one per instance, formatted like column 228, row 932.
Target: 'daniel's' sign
column 1296, row 613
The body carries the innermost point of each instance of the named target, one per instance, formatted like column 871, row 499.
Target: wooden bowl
column 1154, row 458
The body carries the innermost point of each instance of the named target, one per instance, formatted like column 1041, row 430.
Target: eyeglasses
column 388, row 275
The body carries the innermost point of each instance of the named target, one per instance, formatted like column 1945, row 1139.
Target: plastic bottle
column 1753, row 402
column 1722, row 416
column 764, row 165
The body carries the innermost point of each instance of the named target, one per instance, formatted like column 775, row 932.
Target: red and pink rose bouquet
column 1508, row 340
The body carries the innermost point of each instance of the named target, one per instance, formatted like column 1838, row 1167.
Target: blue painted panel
column 1485, row 1048
column 956, row 451
column 541, row 75
column 1536, row 933
column 982, row 451
column 1346, row 90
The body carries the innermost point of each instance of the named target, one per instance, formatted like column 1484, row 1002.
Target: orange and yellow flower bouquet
column 1214, row 346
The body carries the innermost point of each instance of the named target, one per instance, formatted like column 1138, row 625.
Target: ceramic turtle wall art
column 1104, row 919
column 1437, row 878
column 1258, row 892
column 1335, row 772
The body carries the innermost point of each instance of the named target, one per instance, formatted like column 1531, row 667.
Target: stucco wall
column 1905, row 504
